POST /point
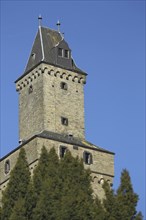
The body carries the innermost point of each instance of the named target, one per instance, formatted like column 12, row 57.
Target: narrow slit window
column 7, row 166
column 30, row 90
column 62, row 151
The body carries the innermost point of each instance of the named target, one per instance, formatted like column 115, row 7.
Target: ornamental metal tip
column 40, row 20
column 58, row 25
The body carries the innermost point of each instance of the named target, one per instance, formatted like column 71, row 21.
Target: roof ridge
column 41, row 41
column 49, row 29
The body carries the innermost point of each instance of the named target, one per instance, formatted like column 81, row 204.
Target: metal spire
column 40, row 20
column 58, row 25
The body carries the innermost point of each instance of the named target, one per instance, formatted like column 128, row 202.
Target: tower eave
column 73, row 70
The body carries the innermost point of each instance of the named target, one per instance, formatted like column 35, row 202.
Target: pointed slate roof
column 45, row 49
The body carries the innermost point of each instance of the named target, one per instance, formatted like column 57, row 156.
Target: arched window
column 7, row 166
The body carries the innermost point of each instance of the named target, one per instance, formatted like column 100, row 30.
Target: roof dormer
column 63, row 55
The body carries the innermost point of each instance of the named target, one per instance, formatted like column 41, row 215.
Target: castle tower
column 51, row 95
column 51, row 111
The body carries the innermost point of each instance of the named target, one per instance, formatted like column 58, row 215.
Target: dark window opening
column 70, row 135
column 30, row 90
column 62, row 151
column 33, row 56
column 63, row 85
column 66, row 53
column 87, row 158
column 75, row 147
column 7, row 166
column 64, row 121
column 60, row 52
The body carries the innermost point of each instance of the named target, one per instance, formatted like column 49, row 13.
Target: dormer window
column 60, row 52
column 63, row 53
column 66, row 53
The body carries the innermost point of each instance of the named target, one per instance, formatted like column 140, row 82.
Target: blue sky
column 107, row 39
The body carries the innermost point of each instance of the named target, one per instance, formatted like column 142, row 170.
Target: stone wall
column 102, row 167
column 42, row 101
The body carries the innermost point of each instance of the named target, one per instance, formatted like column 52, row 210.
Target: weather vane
column 58, row 25
column 40, row 20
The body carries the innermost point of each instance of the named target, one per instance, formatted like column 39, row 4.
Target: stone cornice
column 51, row 71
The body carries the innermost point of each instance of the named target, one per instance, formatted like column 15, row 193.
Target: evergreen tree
column 61, row 190
column 49, row 201
column 0, row 212
column 41, row 171
column 139, row 216
column 98, row 210
column 18, row 212
column 17, row 185
column 126, row 198
column 109, row 203
column 30, row 201
column 77, row 200
column 49, row 198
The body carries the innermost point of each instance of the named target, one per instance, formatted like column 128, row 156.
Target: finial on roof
column 40, row 20
column 58, row 25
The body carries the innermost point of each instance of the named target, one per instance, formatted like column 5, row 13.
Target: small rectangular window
column 63, row 85
column 64, row 121
column 60, row 52
column 66, row 53
column 62, row 151
column 75, row 147
column 87, row 157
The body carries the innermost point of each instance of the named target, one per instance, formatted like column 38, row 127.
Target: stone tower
column 51, row 93
column 51, row 110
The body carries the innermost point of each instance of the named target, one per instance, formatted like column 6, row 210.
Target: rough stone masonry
column 51, row 111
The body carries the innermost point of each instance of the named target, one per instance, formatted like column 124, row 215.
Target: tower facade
column 51, row 110
column 51, row 95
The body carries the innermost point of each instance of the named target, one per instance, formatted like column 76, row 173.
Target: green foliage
column 122, row 204
column 30, row 201
column 48, row 203
column 126, row 198
column 18, row 212
column 139, row 216
column 0, row 212
column 17, row 186
column 98, row 210
column 61, row 190
column 41, row 171
column 109, row 202
column 76, row 201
